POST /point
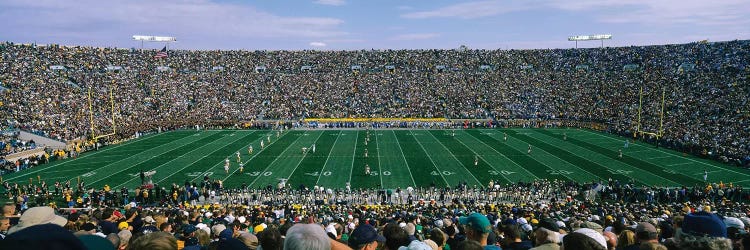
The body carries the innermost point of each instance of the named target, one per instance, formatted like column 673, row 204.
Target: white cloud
column 331, row 2
column 648, row 12
column 189, row 21
column 318, row 44
column 415, row 36
column 470, row 10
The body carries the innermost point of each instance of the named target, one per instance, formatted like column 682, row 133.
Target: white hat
column 591, row 233
column 241, row 219
column 416, row 245
column 149, row 219
column 734, row 222
column 37, row 216
column 526, row 227
column 204, row 227
column 218, row 228
column 522, row 221
column 331, row 229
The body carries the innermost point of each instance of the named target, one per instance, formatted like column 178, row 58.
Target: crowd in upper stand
column 50, row 89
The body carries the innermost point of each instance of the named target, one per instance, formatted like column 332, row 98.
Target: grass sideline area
column 397, row 158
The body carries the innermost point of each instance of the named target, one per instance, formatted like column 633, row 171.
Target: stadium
column 582, row 137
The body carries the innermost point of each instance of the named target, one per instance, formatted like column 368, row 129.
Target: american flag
column 162, row 53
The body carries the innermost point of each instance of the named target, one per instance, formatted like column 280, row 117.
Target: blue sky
column 371, row 24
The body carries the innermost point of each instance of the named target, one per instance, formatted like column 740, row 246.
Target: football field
column 397, row 158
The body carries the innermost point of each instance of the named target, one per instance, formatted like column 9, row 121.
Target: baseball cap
column 364, row 234
column 645, row 230
column 477, row 221
column 122, row 225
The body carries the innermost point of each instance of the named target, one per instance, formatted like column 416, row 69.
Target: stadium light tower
column 590, row 38
column 166, row 39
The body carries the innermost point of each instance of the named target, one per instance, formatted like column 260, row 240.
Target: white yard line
column 354, row 155
column 276, row 159
column 612, row 170
column 659, row 157
column 550, row 154
column 84, row 156
column 176, row 142
column 402, row 155
column 187, row 165
column 454, row 157
column 440, row 172
column 678, row 164
column 327, row 158
column 501, row 155
column 667, row 152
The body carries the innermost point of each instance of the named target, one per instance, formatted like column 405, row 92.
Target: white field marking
column 354, row 155
column 221, row 163
column 501, row 155
column 175, row 172
column 614, row 170
column 485, row 161
column 322, row 170
column 635, row 151
column 659, row 157
column 300, row 161
column 172, row 142
column 667, row 152
column 550, row 154
column 433, row 162
column 404, row 157
column 454, row 157
column 276, row 159
column 187, row 165
column 678, row 164
column 68, row 170
column 82, row 157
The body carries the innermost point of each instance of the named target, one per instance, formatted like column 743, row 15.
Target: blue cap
column 704, row 224
column 364, row 234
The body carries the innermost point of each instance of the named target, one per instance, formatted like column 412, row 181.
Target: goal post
column 94, row 136
column 639, row 128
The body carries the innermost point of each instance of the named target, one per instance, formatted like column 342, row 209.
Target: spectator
column 546, row 236
column 477, row 228
column 395, row 236
column 306, row 236
column 154, row 241
column 582, row 241
column 365, row 237
column 702, row 230
column 37, row 216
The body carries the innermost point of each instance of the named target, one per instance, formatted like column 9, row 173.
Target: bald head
column 611, row 239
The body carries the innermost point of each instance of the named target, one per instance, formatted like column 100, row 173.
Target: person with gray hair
column 702, row 230
column 306, row 237
column 546, row 236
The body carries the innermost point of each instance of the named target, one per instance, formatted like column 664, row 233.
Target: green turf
column 397, row 158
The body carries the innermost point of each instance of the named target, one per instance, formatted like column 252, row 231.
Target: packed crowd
column 705, row 111
column 535, row 215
